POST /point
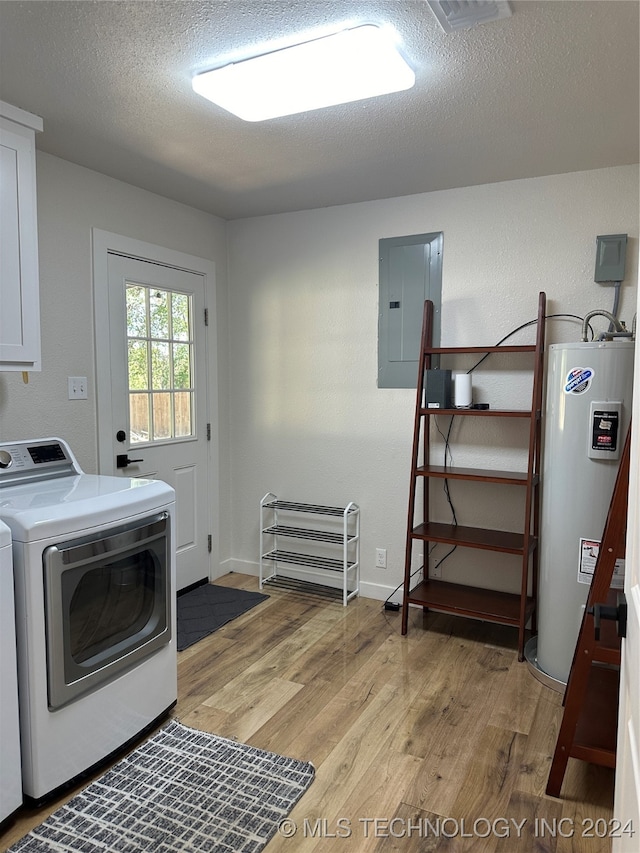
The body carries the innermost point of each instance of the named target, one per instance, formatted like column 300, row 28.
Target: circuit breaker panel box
column 410, row 273
column 611, row 250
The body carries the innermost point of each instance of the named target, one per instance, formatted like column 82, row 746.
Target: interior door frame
column 103, row 243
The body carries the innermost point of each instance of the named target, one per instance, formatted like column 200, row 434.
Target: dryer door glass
column 109, row 605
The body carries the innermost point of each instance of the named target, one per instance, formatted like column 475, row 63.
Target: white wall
column 307, row 419
column 71, row 201
column 299, row 412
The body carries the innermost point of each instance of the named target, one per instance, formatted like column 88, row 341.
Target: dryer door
column 107, row 605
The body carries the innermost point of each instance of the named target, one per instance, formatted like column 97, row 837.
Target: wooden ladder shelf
column 476, row 600
column 590, row 719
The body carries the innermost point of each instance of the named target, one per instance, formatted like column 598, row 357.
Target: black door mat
column 203, row 610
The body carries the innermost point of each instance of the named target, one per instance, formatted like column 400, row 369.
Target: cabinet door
column 19, row 297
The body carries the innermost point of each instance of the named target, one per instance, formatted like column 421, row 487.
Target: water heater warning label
column 604, row 430
column 589, row 550
column 578, row 380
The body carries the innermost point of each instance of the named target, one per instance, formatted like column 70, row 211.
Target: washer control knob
column 5, row 459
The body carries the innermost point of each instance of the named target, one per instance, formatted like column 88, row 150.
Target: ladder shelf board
column 464, row 600
column 517, row 478
column 473, row 537
column 480, row 413
column 462, row 350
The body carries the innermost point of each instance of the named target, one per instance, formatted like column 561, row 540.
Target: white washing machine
column 11, row 776
column 94, row 572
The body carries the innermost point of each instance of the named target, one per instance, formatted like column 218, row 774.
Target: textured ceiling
column 552, row 89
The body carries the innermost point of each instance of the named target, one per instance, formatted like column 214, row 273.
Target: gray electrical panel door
column 410, row 272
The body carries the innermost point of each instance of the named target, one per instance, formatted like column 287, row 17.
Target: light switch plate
column 77, row 387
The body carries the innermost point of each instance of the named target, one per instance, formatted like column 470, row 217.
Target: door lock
column 122, row 460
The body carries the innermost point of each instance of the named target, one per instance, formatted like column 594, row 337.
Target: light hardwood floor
column 439, row 740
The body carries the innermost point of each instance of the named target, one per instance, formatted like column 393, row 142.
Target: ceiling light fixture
column 351, row 65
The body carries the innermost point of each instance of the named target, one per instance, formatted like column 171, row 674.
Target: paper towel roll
column 462, row 390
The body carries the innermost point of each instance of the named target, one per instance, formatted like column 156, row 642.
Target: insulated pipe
column 617, row 325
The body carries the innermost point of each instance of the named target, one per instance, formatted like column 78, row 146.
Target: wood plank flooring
column 439, row 740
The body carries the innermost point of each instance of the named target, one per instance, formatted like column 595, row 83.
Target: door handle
column 122, row 460
column 617, row 614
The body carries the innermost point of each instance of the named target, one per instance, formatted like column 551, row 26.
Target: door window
column 160, row 364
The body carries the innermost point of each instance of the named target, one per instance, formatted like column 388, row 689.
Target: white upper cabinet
column 19, row 294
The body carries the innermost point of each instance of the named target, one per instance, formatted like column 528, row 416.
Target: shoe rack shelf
column 329, row 535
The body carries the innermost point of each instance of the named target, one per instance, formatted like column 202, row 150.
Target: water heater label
column 604, row 431
column 589, row 550
column 578, row 380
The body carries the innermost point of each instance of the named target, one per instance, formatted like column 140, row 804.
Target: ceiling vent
column 464, row 14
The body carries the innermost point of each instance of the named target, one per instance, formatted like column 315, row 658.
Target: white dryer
column 11, row 776
column 94, row 570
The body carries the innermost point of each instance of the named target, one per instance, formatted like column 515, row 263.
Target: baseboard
column 380, row 592
column 241, row 567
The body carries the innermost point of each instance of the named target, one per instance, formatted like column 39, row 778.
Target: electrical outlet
column 435, row 572
column 381, row 558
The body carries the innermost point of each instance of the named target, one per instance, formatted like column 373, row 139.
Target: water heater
column 588, row 410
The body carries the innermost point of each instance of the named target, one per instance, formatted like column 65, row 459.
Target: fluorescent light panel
column 351, row 65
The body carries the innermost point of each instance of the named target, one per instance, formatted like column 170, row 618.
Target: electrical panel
column 410, row 273
column 611, row 250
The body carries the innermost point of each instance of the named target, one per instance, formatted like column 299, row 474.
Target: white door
column 627, row 791
column 153, row 417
